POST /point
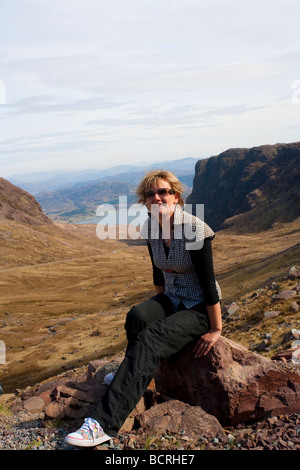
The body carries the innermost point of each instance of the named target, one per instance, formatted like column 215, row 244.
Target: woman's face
column 159, row 202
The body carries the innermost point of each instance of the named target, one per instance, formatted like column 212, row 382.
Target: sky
column 98, row 83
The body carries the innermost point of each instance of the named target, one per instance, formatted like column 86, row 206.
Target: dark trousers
column 154, row 332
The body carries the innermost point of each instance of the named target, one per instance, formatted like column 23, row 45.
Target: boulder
column 177, row 417
column 34, row 405
column 231, row 383
column 75, row 400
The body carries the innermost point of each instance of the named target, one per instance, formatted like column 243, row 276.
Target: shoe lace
column 90, row 426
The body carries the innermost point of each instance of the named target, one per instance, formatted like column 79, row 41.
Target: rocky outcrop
column 251, row 188
column 231, row 383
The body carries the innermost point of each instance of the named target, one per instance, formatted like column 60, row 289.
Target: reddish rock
column 34, row 405
column 94, row 366
column 271, row 314
column 55, row 410
column 77, row 398
column 177, row 417
column 46, row 396
column 146, row 402
column 230, row 382
column 283, row 356
column 74, row 400
column 17, row 406
column 102, row 370
column 285, row 294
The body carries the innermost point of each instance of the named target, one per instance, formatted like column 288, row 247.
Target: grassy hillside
column 59, row 315
column 65, row 294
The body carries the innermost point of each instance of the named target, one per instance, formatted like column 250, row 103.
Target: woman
column 186, row 306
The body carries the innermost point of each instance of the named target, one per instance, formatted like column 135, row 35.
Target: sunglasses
column 160, row 192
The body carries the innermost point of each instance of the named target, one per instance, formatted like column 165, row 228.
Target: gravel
column 24, row 431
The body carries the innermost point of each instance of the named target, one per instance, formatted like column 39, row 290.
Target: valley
column 65, row 293
column 58, row 315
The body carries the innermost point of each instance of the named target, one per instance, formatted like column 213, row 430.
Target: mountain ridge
column 39, row 182
column 29, row 237
column 249, row 188
column 83, row 201
column 19, row 205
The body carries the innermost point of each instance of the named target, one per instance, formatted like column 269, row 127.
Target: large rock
column 34, row 405
column 230, row 382
column 75, row 400
column 177, row 417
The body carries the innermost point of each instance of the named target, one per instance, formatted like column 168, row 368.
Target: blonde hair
column 152, row 178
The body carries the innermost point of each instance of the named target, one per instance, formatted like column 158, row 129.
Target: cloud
column 99, row 80
column 46, row 104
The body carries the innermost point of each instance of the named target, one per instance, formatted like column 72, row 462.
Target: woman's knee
column 135, row 319
column 145, row 313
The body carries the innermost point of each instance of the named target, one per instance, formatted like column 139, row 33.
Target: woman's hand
column 207, row 340
column 205, row 343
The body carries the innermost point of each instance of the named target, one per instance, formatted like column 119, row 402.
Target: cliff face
column 250, row 188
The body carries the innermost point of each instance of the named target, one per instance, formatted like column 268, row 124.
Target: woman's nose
column 156, row 197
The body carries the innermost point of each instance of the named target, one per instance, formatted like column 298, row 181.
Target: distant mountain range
column 73, row 196
column 40, row 182
column 81, row 202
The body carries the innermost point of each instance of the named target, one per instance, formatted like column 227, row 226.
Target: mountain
column 43, row 181
column 39, row 182
column 249, row 189
column 19, row 206
column 83, row 201
column 28, row 236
